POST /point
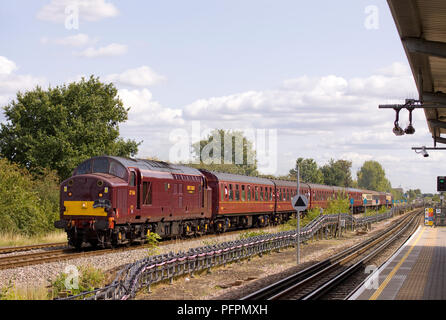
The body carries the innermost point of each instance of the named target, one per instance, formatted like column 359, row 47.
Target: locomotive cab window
column 100, row 165
column 132, row 179
column 84, row 168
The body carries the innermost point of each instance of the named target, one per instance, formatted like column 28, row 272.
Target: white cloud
column 311, row 103
column 11, row 83
column 78, row 40
column 111, row 50
column 146, row 112
column 6, row 66
column 89, row 10
column 139, row 77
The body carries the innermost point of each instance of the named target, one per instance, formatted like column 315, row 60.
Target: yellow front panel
column 82, row 208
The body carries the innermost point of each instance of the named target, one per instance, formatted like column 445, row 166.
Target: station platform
column 417, row 271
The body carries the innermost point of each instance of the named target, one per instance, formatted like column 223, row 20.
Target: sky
column 311, row 74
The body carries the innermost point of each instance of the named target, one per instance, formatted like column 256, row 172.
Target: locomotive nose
column 86, row 195
column 85, row 188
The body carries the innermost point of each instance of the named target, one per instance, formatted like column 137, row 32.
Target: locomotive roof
column 239, row 178
column 155, row 165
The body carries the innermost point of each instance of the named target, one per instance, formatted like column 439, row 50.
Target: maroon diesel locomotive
column 110, row 201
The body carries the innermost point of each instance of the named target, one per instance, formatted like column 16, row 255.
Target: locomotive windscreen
column 102, row 165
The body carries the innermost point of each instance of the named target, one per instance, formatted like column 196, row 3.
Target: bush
column 251, row 234
column 340, row 204
column 90, row 278
column 152, row 242
column 28, row 205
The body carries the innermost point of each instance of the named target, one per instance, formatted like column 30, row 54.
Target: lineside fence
column 148, row 271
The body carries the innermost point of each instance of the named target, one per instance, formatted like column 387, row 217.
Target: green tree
column 337, row 173
column 372, row 176
column 226, row 151
column 309, row 171
column 60, row 127
column 27, row 205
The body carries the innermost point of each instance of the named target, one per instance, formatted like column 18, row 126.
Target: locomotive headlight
column 100, row 195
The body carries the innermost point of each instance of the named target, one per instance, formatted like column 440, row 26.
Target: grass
column 11, row 292
column 16, row 239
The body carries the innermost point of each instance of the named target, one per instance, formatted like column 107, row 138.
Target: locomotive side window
column 100, row 165
column 132, row 179
column 147, row 193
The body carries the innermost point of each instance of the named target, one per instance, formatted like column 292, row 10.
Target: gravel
column 41, row 274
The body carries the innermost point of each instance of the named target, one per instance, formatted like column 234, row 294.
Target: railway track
column 68, row 253
column 5, row 250
column 321, row 280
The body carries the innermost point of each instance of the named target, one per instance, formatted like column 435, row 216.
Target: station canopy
column 422, row 27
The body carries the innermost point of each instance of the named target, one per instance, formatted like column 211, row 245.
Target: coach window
column 231, row 195
column 147, row 193
column 249, row 193
column 237, row 193
column 243, row 192
column 270, row 194
column 261, row 193
column 222, row 191
column 288, row 194
column 266, row 194
column 257, row 193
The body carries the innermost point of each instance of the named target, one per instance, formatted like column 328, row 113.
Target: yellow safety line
column 391, row 274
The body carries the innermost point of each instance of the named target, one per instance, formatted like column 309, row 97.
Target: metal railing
column 148, row 271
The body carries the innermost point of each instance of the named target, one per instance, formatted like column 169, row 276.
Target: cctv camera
column 424, row 152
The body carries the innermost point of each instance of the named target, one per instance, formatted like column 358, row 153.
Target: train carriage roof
column 221, row 176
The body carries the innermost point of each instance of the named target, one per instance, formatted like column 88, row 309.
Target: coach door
column 134, row 194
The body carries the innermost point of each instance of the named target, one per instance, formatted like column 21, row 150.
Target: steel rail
column 335, row 281
column 301, row 278
column 5, row 250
